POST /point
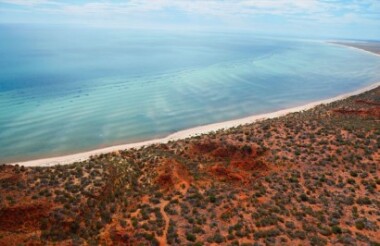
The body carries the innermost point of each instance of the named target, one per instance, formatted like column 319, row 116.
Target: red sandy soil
column 172, row 175
column 374, row 112
column 364, row 112
column 259, row 170
column 23, row 217
column 367, row 102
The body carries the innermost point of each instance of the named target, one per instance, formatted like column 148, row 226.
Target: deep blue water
column 69, row 90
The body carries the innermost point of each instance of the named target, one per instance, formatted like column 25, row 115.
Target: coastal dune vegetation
column 307, row 178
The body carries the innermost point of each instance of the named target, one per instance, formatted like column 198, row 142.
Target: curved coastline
column 353, row 48
column 191, row 132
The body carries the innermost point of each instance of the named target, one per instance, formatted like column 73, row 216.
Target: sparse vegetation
column 311, row 178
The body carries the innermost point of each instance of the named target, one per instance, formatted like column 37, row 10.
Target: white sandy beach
column 354, row 48
column 68, row 159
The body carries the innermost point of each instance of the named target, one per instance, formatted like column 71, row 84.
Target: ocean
column 66, row 90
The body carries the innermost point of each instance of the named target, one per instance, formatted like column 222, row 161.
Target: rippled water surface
column 69, row 90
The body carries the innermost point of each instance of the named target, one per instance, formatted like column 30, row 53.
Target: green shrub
column 304, row 197
column 336, row 229
column 191, row 237
column 360, row 224
column 363, row 201
column 218, row 238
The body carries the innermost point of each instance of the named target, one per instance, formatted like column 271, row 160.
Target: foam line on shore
column 68, row 159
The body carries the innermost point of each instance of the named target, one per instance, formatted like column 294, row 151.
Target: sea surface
column 66, row 90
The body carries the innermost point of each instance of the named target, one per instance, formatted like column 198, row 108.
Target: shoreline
column 352, row 47
column 191, row 132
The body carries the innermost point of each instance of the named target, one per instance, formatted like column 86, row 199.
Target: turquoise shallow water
column 69, row 90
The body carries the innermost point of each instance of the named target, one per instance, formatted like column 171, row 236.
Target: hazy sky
column 358, row 19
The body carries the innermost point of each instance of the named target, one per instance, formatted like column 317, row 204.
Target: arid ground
column 308, row 178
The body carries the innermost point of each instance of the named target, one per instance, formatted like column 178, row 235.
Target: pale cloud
column 26, row 2
column 234, row 13
column 210, row 7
